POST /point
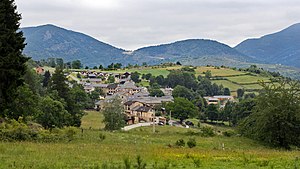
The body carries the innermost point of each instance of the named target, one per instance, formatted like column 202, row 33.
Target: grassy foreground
column 89, row 150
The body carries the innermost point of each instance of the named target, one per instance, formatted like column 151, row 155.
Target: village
column 139, row 107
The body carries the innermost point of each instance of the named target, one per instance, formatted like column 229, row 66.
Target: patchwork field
column 157, row 150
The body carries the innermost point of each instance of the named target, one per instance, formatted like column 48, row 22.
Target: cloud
column 131, row 24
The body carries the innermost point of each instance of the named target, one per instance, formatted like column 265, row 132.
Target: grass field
column 248, row 79
column 226, row 83
column 87, row 150
column 223, row 72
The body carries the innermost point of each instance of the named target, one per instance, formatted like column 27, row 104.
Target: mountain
column 52, row 41
column 188, row 49
column 278, row 48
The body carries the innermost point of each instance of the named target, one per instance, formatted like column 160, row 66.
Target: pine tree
column 12, row 62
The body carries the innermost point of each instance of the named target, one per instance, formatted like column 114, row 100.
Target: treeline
column 49, row 101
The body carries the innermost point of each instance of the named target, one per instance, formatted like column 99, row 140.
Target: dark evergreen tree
column 12, row 62
column 46, row 79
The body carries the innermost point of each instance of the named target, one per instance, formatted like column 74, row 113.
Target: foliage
column 156, row 92
column 212, row 112
column 135, row 76
column 53, row 114
column 180, row 143
column 181, row 91
column 113, row 114
column 276, row 120
column 111, row 79
column 240, row 93
column 76, row 64
column 140, row 164
column 207, row 132
column 12, row 62
column 228, row 133
column 191, row 143
column 226, row 91
column 182, row 109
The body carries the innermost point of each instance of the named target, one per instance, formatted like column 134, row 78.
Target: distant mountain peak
column 280, row 48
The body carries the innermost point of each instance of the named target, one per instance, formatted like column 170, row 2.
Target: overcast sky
column 131, row 24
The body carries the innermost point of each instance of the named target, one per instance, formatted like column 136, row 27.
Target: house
column 152, row 101
column 219, row 100
column 138, row 112
column 112, row 88
column 130, row 87
column 40, row 70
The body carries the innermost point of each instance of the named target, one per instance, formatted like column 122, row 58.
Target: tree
column 178, row 63
column 101, row 67
column 212, row 112
column 54, row 113
column 276, row 119
column 111, row 79
column 156, row 92
column 226, row 91
column 135, row 76
column 95, row 67
column 46, row 79
column 12, row 62
column 25, row 105
column 181, row 91
column 113, row 114
column 60, row 62
column 240, row 93
column 182, row 108
column 76, row 64
column 208, row 74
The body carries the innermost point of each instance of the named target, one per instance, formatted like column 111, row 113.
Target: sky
column 131, row 24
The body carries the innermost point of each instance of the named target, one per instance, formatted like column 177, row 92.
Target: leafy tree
column 101, row 67
column 111, row 79
column 178, row 63
column 182, row 108
column 147, row 76
column 86, row 67
column 60, row 62
column 135, row 76
column 208, row 74
column 181, row 91
column 242, row 110
column 156, row 92
column 276, row 119
column 95, row 67
column 160, row 80
column 76, row 64
column 113, row 114
column 212, row 112
column 12, row 62
column 226, row 91
column 54, row 113
column 25, row 105
column 33, row 80
column 240, row 93
column 185, row 79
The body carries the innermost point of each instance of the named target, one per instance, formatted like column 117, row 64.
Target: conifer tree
column 12, row 62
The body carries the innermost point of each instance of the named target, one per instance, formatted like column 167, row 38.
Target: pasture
column 157, row 150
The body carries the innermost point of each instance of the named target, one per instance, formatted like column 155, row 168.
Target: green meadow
column 95, row 148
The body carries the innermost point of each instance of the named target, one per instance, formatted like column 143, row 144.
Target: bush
column 70, row 132
column 207, row 132
column 191, row 143
column 228, row 133
column 102, row 137
column 180, row 143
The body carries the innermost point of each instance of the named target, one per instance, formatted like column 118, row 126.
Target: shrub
column 191, row 143
column 102, row 137
column 228, row 133
column 139, row 163
column 70, row 132
column 207, row 132
column 180, row 143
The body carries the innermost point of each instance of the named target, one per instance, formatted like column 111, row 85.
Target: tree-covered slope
column 52, row 41
column 191, row 48
column 280, row 48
